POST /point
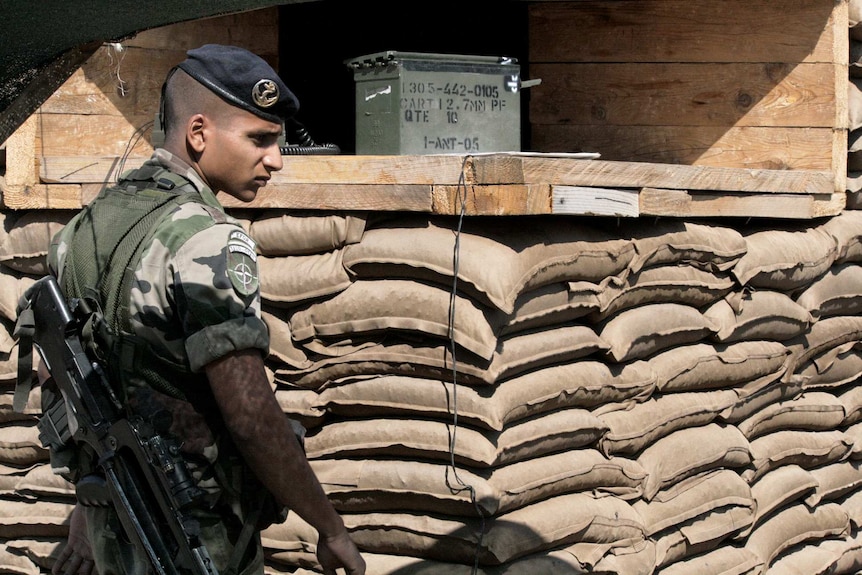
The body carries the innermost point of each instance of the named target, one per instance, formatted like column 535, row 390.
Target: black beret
column 242, row 79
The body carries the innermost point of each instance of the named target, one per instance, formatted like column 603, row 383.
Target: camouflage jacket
column 194, row 299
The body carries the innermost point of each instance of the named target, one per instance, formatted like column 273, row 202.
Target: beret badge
column 265, row 93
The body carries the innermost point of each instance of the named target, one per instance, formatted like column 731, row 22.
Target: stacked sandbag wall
column 539, row 394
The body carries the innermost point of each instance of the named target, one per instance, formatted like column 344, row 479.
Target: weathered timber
column 690, row 31
column 682, row 203
column 489, row 184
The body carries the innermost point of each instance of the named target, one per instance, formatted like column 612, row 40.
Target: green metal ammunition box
column 413, row 103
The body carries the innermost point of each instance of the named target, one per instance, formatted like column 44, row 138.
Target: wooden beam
column 361, row 197
column 43, row 196
column 682, row 203
column 681, row 31
column 492, row 199
column 591, row 201
column 709, row 94
column 602, row 173
column 743, row 147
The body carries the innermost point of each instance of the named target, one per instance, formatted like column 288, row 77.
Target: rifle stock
column 146, row 478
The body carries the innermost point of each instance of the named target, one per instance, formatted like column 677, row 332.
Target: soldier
column 190, row 311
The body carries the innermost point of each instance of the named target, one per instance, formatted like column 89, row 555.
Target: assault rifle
column 147, row 481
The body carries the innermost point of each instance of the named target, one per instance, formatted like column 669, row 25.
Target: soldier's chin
column 247, row 194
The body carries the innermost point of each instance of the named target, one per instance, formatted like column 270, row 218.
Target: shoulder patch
column 242, row 263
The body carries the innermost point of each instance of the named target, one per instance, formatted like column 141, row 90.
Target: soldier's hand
column 337, row 552
column 77, row 557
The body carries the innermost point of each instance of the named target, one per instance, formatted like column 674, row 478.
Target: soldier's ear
column 196, row 132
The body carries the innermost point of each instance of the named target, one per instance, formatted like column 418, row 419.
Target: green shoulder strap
column 114, row 228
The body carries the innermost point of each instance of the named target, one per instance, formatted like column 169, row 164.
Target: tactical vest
column 105, row 250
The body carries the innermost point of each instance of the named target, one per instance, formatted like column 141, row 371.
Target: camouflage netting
column 538, row 395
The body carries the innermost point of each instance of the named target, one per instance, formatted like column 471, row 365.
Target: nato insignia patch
column 242, row 263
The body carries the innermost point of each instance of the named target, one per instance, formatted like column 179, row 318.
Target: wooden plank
column 591, row 201
column 629, row 94
column 492, row 199
column 92, row 135
column 43, row 196
column 749, row 147
column 682, row 203
column 603, row 173
column 83, row 169
column 682, row 31
column 361, row 197
column 21, row 169
column 490, row 169
column 745, row 147
column 126, row 83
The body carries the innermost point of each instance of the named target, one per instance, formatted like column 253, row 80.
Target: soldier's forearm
column 266, row 440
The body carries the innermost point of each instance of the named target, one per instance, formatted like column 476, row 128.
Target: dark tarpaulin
column 43, row 42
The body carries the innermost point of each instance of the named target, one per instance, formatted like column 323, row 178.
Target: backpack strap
column 115, row 228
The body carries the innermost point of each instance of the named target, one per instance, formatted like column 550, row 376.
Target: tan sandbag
column 758, row 394
column 846, row 230
column 727, row 560
column 694, row 497
column 291, row 280
column 563, row 429
column 795, row 524
column 823, row 335
column 807, row 449
column 682, row 284
column 397, row 305
column 632, row 427
column 757, row 315
column 291, row 233
column 19, row 444
column 833, row 368
column 7, row 342
column 691, row 451
column 779, row 488
column 852, row 505
column 585, row 383
column 813, row 411
column 840, row 556
column 705, row 366
column 28, row 238
column 851, row 399
column 366, row 485
column 570, row 560
column 553, row 304
column 300, row 404
column 835, row 481
column 282, row 348
column 854, row 432
column 837, row 292
column 668, row 241
column 546, row 524
column 42, row 551
column 20, row 519
column 700, row 535
column 642, row 331
column 12, row 287
column 40, row 482
column 785, row 260
column 15, row 563
column 515, row 355
column 496, row 261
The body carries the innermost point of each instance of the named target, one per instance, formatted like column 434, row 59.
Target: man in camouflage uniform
column 194, row 307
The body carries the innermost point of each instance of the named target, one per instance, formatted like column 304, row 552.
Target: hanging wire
column 120, row 50
column 130, row 145
column 460, row 485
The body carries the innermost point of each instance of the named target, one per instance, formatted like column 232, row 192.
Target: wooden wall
column 107, row 106
column 733, row 83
